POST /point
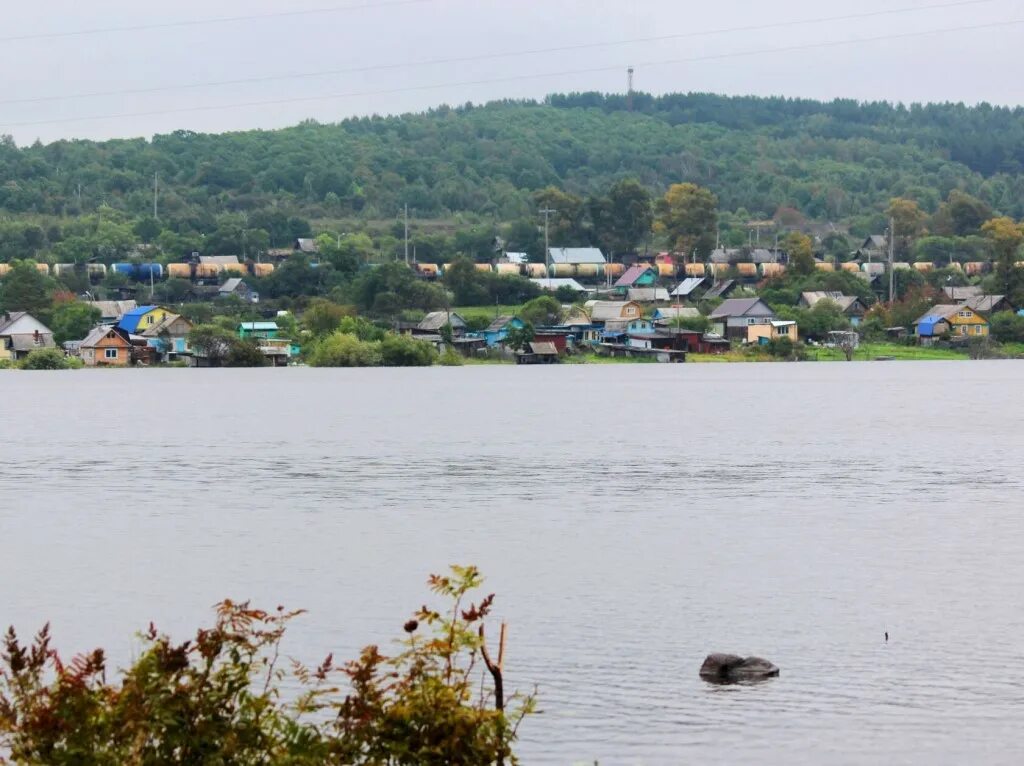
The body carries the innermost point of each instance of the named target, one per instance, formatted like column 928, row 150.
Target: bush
column 226, row 697
column 451, row 358
column 6, row 364
column 45, row 359
column 403, row 351
column 344, row 350
column 1008, row 327
column 244, row 353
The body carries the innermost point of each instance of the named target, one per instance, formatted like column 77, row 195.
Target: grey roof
column 220, row 260
column 96, row 335
column 28, row 342
column 942, row 311
column 677, row 312
column 962, row 293
column 721, row 289
column 435, row 320
column 724, row 255
column 845, row 302
column 548, row 283
column 876, row 242
column 576, row 255
column 9, row 318
column 499, row 323
column 230, row 285
column 113, row 309
column 517, row 258
column 763, row 255
column 647, row 294
column 306, row 245
column 602, row 311
column 984, row 303
column 737, row 307
column 543, row 347
column 687, row 286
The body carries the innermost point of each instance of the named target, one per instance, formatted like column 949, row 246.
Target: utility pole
column 892, row 258
column 546, row 212
column 629, row 89
column 407, row 233
column 156, row 192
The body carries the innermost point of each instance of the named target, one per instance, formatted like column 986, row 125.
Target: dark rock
column 733, row 669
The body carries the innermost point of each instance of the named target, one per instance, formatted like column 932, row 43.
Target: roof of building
column 500, row 323
column 811, row 298
column 258, row 326
column 602, row 311
column 632, row 274
column 736, row 307
column 575, row 255
column 984, row 303
column 723, row 255
column 940, row 312
column 306, row 245
column 113, row 309
column 647, row 294
column 676, row 312
column 517, row 258
column 687, row 286
column 782, row 323
column 129, row 321
column 97, row 334
column 29, row 341
column 435, row 320
column 546, row 348
column 549, row 283
column 719, row 290
column 962, row 293
column 763, row 255
column 9, row 318
column 164, row 326
column 220, row 260
column 876, row 242
column 230, row 285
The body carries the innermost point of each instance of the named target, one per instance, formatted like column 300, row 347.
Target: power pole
column 156, row 192
column 892, row 258
column 407, row 233
column 629, row 89
column 546, row 212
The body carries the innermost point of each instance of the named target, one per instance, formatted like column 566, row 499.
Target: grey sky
column 970, row 66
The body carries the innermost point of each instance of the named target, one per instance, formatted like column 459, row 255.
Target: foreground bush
column 343, row 349
column 219, row 699
column 45, row 359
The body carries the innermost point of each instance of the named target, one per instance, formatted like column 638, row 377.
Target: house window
column 977, row 329
column 965, row 314
column 151, row 319
column 963, row 329
column 110, row 353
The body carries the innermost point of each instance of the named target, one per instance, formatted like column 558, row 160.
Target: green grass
column 869, row 351
column 485, row 313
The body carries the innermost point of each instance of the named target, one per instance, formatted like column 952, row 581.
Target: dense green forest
column 471, row 168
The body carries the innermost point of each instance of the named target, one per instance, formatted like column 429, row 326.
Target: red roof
column 633, row 273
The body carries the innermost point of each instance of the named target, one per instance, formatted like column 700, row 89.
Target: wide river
column 630, row 518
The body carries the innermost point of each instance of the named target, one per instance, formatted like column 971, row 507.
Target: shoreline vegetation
column 232, row 695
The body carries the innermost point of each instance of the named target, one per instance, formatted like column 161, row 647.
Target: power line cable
column 217, row 20
column 517, row 78
column 490, row 56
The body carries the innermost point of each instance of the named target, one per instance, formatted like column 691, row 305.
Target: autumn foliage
column 228, row 696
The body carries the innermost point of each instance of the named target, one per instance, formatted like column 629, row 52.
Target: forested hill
column 836, row 161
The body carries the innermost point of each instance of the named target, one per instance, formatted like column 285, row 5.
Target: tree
column 244, row 353
column 909, row 222
column 322, row 317
column 543, row 311
column 623, row 218
column 961, row 214
column 518, row 337
column 343, row 350
column 465, row 282
column 212, row 342
column 45, row 359
column 25, row 289
column 73, row 321
column 404, row 351
column 800, row 249
column 1006, row 236
column 688, row 216
column 566, row 225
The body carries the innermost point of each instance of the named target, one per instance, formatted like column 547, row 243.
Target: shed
column 575, row 255
column 435, row 320
column 687, row 286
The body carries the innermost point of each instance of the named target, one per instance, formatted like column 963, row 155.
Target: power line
column 493, row 56
column 217, row 20
column 517, row 78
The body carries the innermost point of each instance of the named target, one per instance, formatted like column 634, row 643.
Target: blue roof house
column 497, row 331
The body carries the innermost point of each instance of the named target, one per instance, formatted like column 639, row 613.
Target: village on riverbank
column 657, row 308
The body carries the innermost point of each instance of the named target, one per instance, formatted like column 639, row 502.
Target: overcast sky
column 53, row 85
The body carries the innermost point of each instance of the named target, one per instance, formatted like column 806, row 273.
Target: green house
column 264, row 330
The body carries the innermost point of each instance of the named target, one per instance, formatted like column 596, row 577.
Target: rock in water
column 733, row 669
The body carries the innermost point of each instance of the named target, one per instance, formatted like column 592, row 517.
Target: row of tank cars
column 585, row 272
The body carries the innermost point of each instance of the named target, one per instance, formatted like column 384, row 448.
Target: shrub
column 45, row 359
column 225, row 697
column 403, row 351
column 451, row 358
column 1008, row 327
column 344, row 350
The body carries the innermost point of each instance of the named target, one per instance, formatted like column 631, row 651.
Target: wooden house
column 732, row 318
column 21, row 334
column 106, row 346
column 954, row 320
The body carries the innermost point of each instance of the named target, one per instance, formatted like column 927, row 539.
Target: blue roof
column 130, row 321
column 926, row 326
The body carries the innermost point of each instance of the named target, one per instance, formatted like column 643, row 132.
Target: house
column 957, row 320
column 307, row 246
column 139, row 319
column 258, row 330
column 266, row 334
column 640, row 327
column 555, row 283
column 112, row 311
column 722, row 289
column 687, row 286
column 497, row 331
column 735, row 315
column 575, row 255
column 776, row 329
column 989, row 304
column 435, row 320
column 169, row 338
column 961, row 294
column 538, row 352
column 605, row 311
column 667, row 315
column 106, row 346
column 874, row 247
column 557, row 337
column 21, row 334
column 237, row 287
column 647, row 294
column 639, row 275
column 850, row 305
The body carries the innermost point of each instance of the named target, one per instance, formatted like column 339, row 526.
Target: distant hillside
column 832, row 161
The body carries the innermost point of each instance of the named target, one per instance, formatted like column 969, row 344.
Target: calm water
column 631, row 519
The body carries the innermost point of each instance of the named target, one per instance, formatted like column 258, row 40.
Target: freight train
column 155, row 272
